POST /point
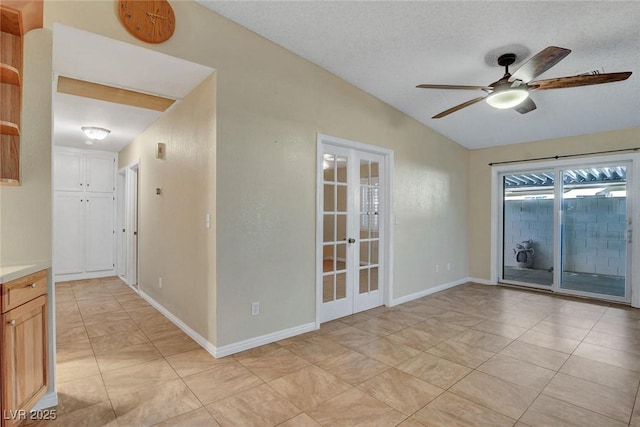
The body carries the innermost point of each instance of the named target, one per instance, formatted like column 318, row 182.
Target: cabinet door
column 68, row 171
column 99, row 232
column 100, row 173
column 24, row 356
column 68, row 232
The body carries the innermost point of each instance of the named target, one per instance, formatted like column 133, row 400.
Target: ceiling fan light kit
column 507, row 98
column 513, row 90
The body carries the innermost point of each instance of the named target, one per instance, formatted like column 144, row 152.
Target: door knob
column 13, row 322
column 351, row 240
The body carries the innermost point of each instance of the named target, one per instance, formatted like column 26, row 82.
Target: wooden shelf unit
column 17, row 17
column 9, row 75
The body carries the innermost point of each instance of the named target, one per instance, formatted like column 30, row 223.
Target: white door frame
column 387, row 244
column 121, row 247
column 131, row 219
column 633, row 197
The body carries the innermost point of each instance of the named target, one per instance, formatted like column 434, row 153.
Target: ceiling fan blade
column 458, row 107
column 539, row 63
column 575, row 81
column 457, row 87
column 525, row 106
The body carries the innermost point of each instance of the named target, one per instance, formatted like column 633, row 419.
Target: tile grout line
column 560, row 368
column 635, row 403
column 377, row 337
column 164, row 358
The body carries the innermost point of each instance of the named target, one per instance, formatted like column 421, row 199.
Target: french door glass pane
column 334, row 228
column 528, row 227
column 593, row 227
column 369, row 218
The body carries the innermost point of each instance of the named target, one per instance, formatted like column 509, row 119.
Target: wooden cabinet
column 24, row 338
column 83, row 213
column 17, row 17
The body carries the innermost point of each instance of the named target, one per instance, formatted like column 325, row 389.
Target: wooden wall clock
column 151, row 21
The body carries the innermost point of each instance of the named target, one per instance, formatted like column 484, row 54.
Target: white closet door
column 68, row 244
column 99, row 232
column 68, row 171
column 100, row 173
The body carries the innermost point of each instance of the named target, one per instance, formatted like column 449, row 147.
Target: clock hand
column 154, row 15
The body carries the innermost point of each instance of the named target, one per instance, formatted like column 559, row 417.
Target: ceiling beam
column 113, row 94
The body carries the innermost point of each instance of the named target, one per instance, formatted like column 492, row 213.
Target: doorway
column 567, row 228
column 121, row 241
column 127, row 232
column 353, row 211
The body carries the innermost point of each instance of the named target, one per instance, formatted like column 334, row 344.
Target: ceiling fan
column 512, row 90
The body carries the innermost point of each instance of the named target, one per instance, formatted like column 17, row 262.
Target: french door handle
column 351, row 240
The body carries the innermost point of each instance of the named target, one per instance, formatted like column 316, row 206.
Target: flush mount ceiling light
column 95, row 133
column 507, row 98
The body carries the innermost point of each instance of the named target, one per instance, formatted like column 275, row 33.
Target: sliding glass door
column 528, row 227
column 568, row 229
column 594, row 226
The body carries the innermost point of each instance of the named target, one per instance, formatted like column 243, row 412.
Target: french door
column 569, row 229
column 351, row 251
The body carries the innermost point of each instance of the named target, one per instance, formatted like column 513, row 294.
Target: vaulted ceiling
column 89, row 59
column 387, row 48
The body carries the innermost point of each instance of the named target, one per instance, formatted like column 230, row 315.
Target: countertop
column 12, row 272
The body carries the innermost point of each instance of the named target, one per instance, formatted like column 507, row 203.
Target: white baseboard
column 204, row 343
column 126, row 281
column 480, row 281
column 264, row 339
column 229, row 349
column 49, row 400
column 425, row 292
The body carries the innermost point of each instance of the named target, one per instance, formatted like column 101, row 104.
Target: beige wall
column 270, row 106
column 25, row 210
column 173, row 242
column 480, row 181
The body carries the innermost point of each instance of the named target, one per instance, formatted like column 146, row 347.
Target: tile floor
column 472, row 355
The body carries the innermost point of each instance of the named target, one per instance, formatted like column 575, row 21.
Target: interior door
column 368, row 294
column 337, row 234
column 351, row 231
column 121, row 247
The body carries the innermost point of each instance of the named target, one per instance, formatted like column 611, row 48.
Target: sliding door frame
column 633, row 201
column 500, row 277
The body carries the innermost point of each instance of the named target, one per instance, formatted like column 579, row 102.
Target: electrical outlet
column 437, row 268
column 160, row 282
column 255, row 308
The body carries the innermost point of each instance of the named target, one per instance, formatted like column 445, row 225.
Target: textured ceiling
column 388, row 47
